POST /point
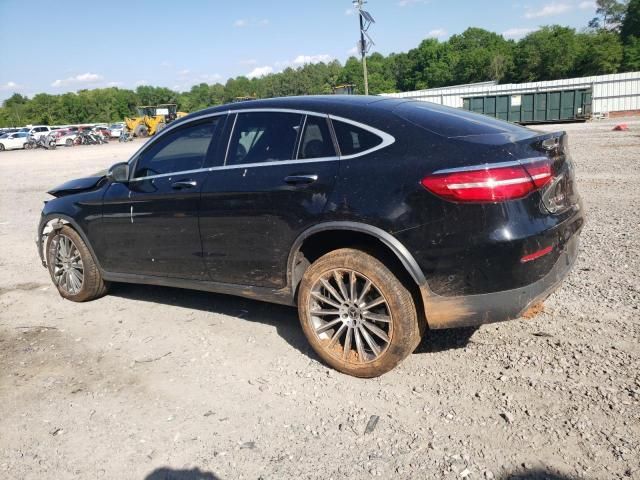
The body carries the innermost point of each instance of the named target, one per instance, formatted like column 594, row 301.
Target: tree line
column 610, row 44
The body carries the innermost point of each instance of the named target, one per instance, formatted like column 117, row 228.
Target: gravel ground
column 155, row 383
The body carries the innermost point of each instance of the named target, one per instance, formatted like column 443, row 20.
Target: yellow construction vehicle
column 152, row 119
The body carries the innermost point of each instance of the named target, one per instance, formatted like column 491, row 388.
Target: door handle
column 181, row 184
column 300, row 179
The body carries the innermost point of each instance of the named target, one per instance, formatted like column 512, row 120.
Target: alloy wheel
column 350, row 316
column 68, row 269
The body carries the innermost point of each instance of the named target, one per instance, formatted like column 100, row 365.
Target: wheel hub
column 351, row 315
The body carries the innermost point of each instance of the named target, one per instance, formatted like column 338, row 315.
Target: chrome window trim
column 236, row 167
column 490, row 166
column 387, row 140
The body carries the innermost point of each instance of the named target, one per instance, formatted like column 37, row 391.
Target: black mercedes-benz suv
column 379, row 218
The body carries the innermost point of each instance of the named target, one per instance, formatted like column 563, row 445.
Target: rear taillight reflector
column 536, row 255
column 489, row 183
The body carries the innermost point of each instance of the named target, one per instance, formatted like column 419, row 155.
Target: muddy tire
column 367, row 325
column 72, row 267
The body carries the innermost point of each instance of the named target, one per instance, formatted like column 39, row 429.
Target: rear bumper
column 473, row 310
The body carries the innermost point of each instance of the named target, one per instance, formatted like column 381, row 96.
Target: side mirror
column 119, row 173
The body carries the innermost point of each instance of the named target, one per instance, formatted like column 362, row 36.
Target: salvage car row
column 33, row 136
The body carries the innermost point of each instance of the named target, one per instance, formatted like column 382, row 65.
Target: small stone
column 488, row 474
column 507, row 417
column 465, row 473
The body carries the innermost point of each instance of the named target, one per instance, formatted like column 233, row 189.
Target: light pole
column 366, row 20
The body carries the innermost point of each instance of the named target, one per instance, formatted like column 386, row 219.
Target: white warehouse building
column 603, row 95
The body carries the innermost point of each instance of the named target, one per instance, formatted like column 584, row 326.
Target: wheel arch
column 55, row 221
column 360, row 230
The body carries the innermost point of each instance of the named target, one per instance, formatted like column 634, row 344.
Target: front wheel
column 72, row 268
column 1, row 147
column 358, row 317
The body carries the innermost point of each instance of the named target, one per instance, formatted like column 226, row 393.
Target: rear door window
column 353, row 139
column 264, row 137
column 316, row 139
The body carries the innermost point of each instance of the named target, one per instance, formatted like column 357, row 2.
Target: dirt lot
column 154, row 383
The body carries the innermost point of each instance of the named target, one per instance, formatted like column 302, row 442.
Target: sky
column 70, row 45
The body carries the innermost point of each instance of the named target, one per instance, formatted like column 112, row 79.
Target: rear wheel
column 72, row 268
column 141, row 131
column 28, row 146
column 358, row 317
column 1, row 147
column 69, row 142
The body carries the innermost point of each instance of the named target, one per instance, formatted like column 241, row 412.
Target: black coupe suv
column 380, row 218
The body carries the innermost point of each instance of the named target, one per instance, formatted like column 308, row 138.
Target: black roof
column 337, row 104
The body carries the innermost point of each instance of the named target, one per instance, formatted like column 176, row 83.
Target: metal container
column 539, row 107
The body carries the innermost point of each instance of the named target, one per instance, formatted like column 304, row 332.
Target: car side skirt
column 280, row 296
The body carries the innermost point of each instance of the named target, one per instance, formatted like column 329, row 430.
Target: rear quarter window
column 353, row 139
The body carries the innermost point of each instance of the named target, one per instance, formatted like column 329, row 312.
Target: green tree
column 631, row 59
column 599, row 53
column 631, row 22
column 609, row 14
column 479, row 55
column 547, row 54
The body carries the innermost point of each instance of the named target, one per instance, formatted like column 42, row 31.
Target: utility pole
column 366, row 20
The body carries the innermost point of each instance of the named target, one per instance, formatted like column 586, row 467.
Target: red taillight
column 488, row 183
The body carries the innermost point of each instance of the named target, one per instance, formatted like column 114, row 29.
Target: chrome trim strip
column 235, row 167
column 233, row 127
column 489, row 166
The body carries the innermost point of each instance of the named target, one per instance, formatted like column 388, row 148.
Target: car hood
column 78, row 185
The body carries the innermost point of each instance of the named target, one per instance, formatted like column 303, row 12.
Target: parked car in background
column 379, row 218
column 104, row 131
column 116, row 129
column 37, row 130
column 65, row 137
column 13, row 141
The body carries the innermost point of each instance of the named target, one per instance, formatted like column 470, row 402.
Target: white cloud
column 166, row 64
column 10, row 86
column 437, row 33
column 549, row 10
column 250, row 61
column 353, row 51
column 141, row 82
column 82, row 79
column 260, row 72
column 244, row 22
column 349, row 11
column 209, row 77
column 588, row 5
column 184, row 72
column 299, row 61
column 114, row 84
column 517, row 32
column 304, row 59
